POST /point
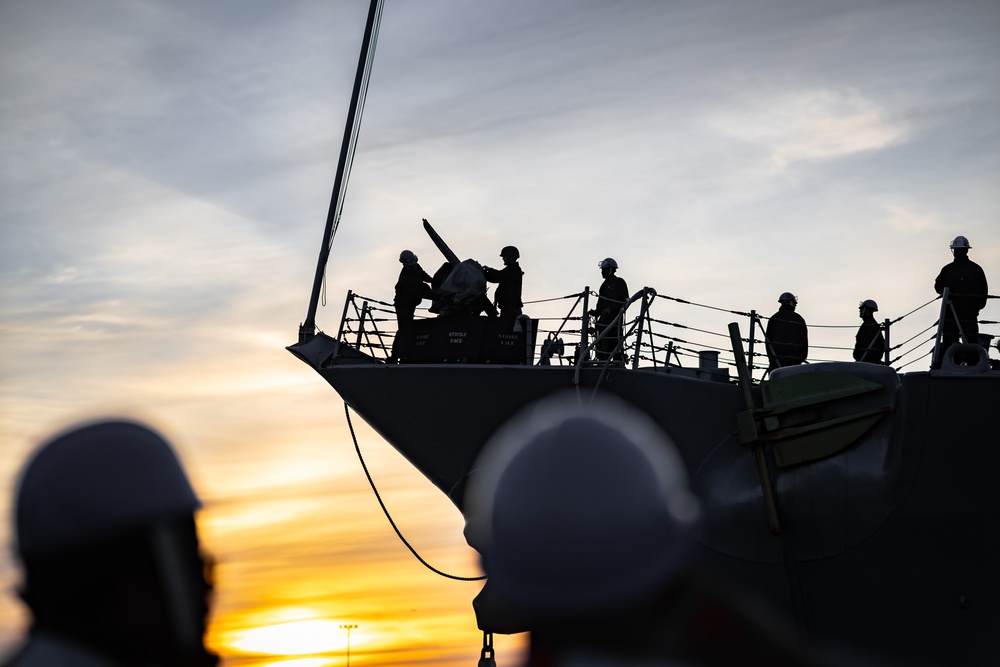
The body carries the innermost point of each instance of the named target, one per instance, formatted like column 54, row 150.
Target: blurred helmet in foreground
column 107, row 535
column 407, row 258
column 97, row 481
column 788, row 296
column 870, row 304
column 578, row 511
column 608, row 263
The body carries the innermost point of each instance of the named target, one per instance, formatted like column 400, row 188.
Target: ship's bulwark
column 891, row 544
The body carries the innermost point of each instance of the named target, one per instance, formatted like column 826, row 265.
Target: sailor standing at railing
column 610, row 298
column 787, row 335
column 411, row 288
column 508, row 292
column 869, row 344
column 966, row 283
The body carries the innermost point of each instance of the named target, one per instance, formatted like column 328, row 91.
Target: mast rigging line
column 378, row 496
column 308, row 328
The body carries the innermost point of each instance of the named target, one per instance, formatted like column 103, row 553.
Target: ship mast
column 308, row 328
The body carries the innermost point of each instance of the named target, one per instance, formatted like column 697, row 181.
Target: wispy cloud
column 811, row 125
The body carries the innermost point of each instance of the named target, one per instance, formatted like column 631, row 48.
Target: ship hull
column 890, row 543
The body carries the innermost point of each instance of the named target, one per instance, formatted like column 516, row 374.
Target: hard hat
column 97, row 481
column 960, row 242
column 868, row 303
column 788, row 296
column 407, row 258
column 608, row 263
column 580, row 511
column 510, row 251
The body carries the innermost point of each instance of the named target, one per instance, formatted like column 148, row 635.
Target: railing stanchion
column 361, row 324
column 343, row 316
column 887, row 346
column 643, row 314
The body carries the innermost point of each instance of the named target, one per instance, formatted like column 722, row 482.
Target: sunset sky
column 165, row 173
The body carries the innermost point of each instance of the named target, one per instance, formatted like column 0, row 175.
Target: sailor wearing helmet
column 412, row 287
column 508, row 293
column 610, row 299
column 787, row 336
column 966, row 283
column 869, row 343
column 587, row 530
column 113, row 574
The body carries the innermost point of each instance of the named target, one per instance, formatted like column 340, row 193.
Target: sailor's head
column 510, row 254
column 867, row 306
column 105, row 529
column 788, row 299
column 407, row 258
column 608, row 266
column 960, row 246
column 577, row 512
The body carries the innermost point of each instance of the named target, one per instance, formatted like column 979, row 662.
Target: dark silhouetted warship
column 860, row 500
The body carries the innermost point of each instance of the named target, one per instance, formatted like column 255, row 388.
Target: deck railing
column 571, row 337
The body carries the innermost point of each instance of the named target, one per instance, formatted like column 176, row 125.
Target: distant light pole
column 348, row 627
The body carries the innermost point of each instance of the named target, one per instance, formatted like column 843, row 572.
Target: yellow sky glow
column 303, row 636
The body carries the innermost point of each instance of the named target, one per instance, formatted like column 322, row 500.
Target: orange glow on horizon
column 295, row 632
column 295, row 565
column 301, row 662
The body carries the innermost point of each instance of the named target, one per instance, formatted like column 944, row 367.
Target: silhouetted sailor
column 586, row 527
column 113, row 574
column 508, row 292
column 869, row 344
column 610, row 298
column 966, row 283
column 412, row 287
column 787, row 335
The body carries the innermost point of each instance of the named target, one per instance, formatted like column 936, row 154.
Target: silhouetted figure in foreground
column 113, row 574
column 508, row 292
column 586, row 528
column 966, row 283
column 787, row 335
column 869, row 344
column 610, row 299
column 412, row 287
